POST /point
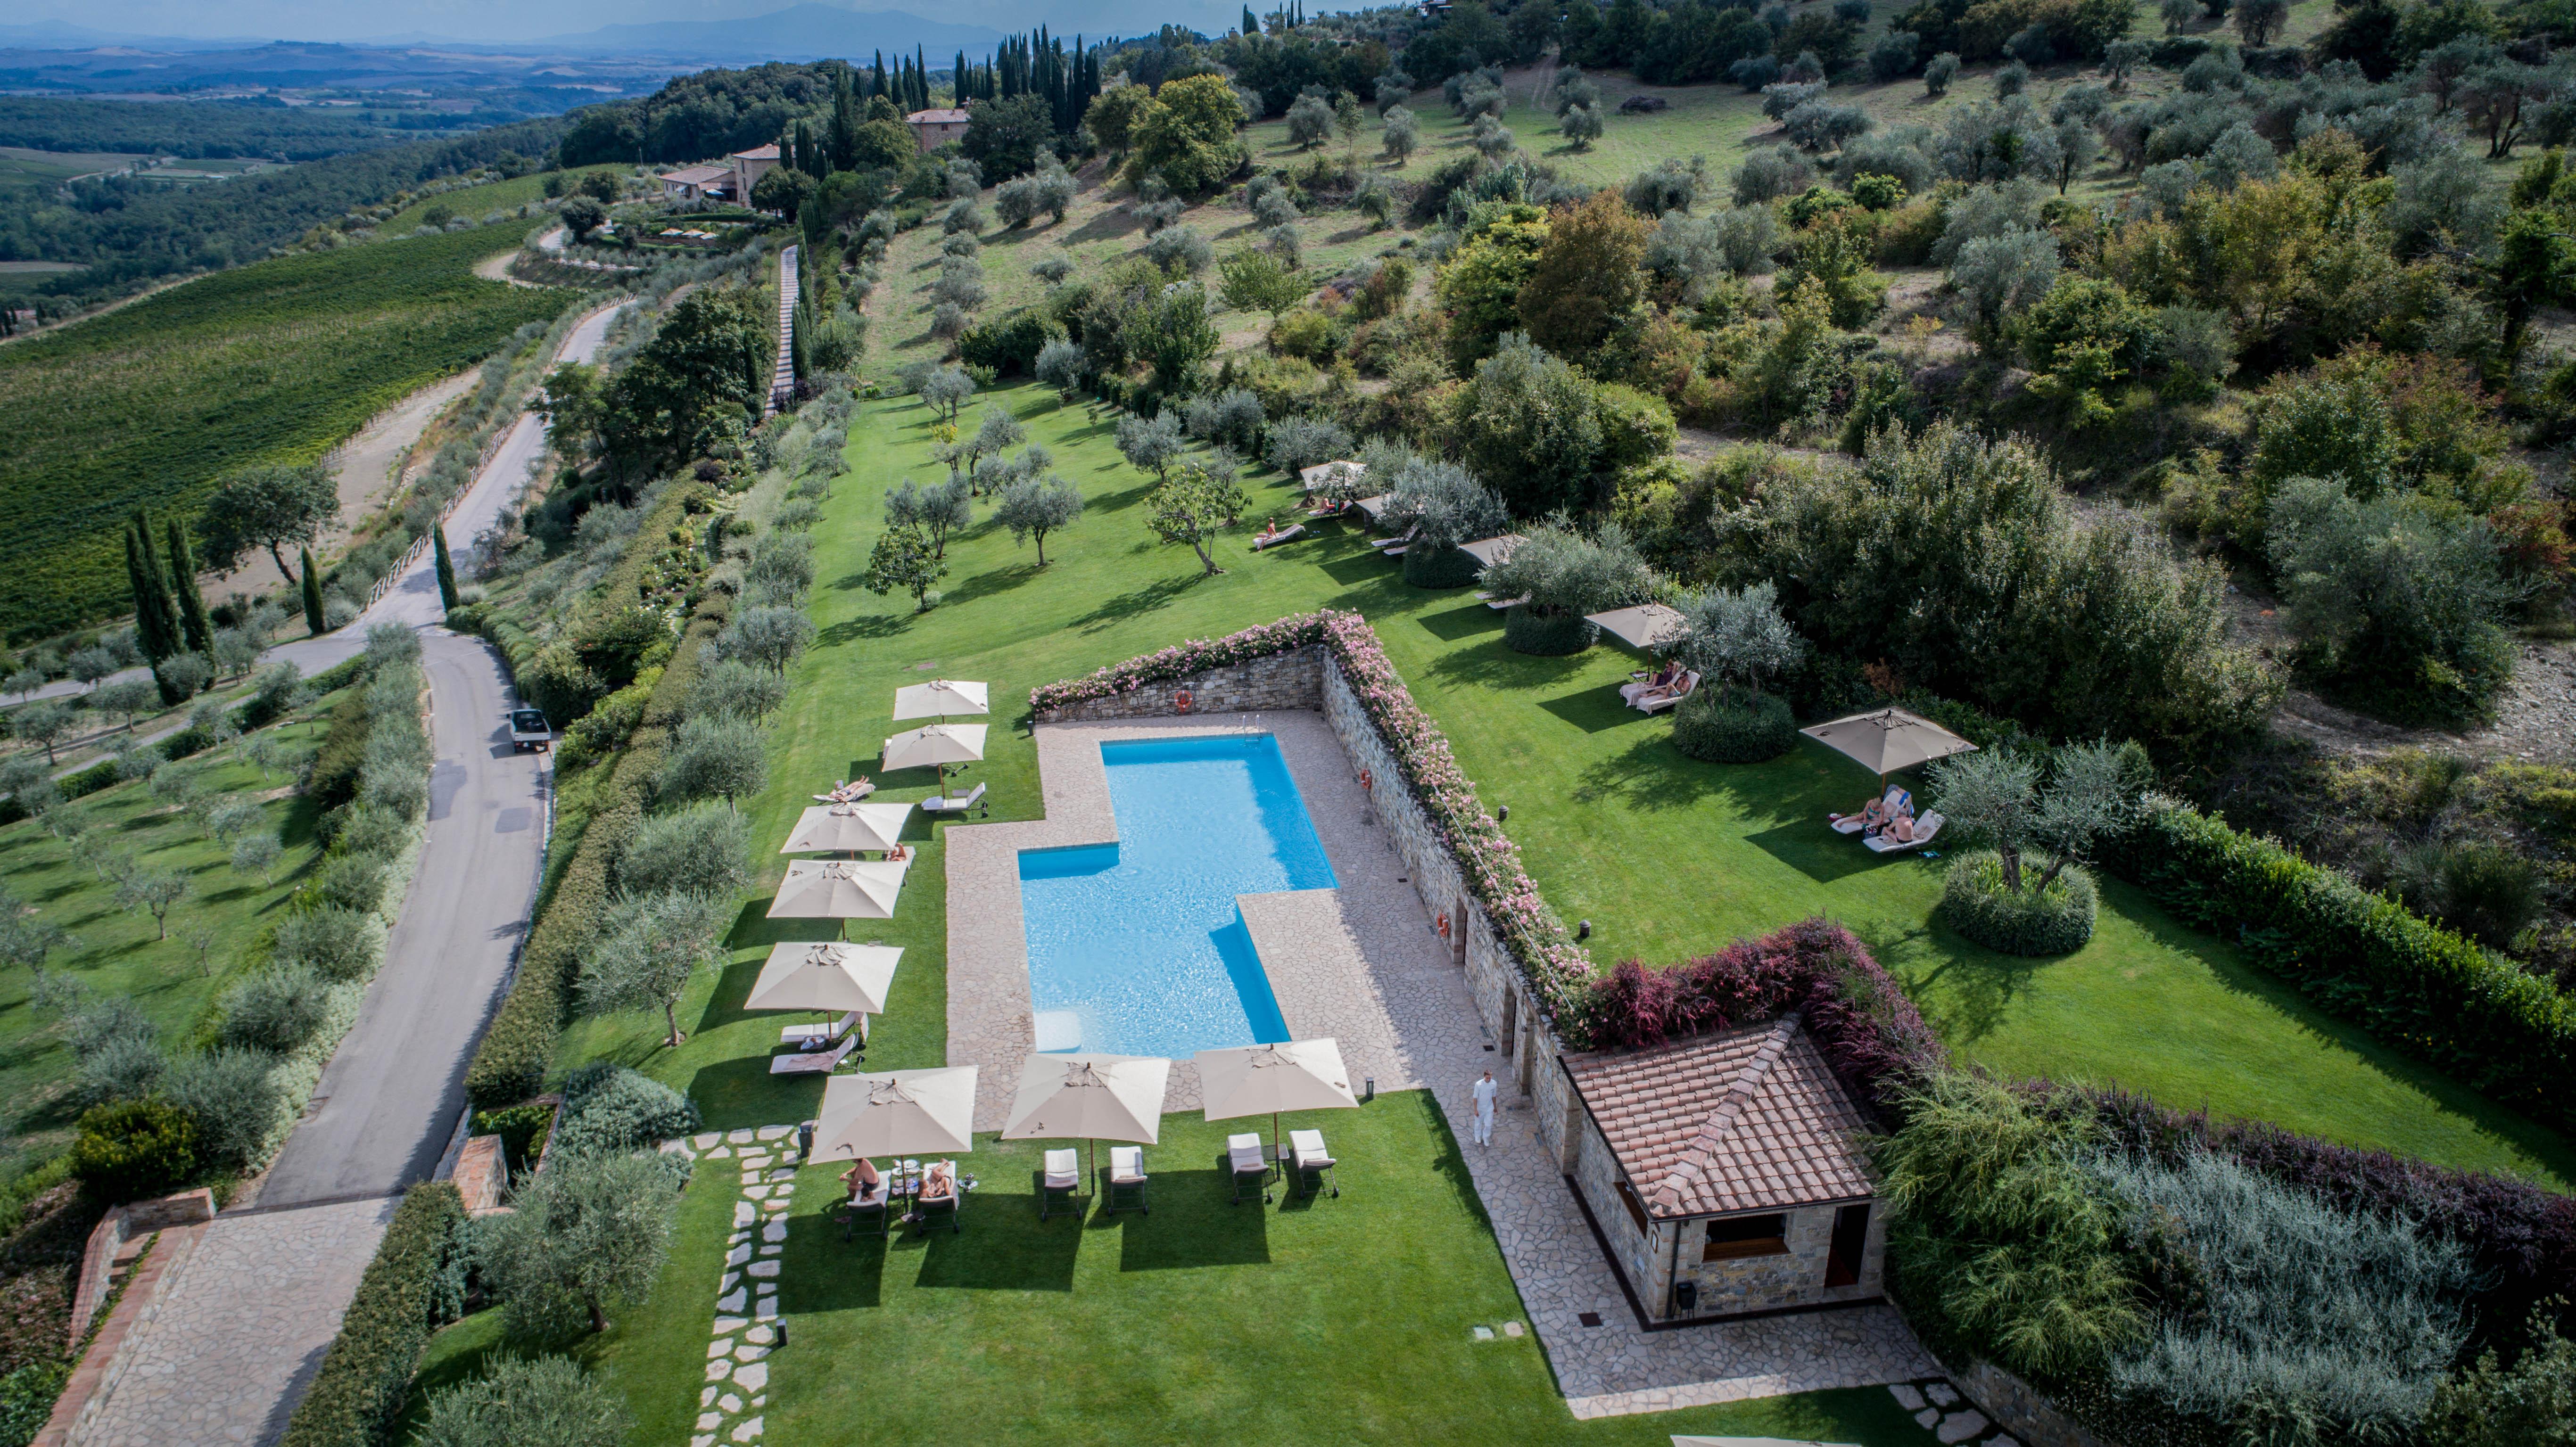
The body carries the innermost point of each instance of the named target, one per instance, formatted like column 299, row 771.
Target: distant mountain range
column 800, row 32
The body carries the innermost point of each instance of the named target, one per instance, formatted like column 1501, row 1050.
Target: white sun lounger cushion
column 1063, row 1169
column 957, row 805
column 1924, row 829
column 821, row 1063
column 1308, row 1146
column 794, row 1034
column 1126, row 1165
column 1245, row 1152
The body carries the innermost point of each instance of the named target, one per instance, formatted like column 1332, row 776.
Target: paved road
column 235, row 1336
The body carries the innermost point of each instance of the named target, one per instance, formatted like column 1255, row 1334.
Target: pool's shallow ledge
column 1324, row 949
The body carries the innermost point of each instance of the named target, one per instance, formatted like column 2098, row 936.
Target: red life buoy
column 1444, row 924
column 1365, row 781
column 1183, row 701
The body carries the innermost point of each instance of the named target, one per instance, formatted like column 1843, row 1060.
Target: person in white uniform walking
column 1485, row 1092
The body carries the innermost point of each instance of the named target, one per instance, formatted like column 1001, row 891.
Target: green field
column 473, row 203
column 277, row 361
column 117, row 952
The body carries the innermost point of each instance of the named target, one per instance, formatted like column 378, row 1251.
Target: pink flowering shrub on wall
column 1558, row 970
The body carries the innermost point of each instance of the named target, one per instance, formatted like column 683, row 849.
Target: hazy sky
column 505, row 20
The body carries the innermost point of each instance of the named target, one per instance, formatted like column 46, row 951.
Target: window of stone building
column 1733, row 1237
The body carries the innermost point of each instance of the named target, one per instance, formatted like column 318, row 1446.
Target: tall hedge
column 510, row 1064
column 2414, row 985
column 415, row 1284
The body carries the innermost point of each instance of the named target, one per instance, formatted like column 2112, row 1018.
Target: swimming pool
column 1138, row 947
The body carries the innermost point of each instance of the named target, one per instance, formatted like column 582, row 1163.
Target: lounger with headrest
column 1499, row 604
column 817, row 1037
column 1308, row 1156
column 955, row 804
column 1394, row 546
column 1244, row 1157
column 1127, row 1173
column 1658, row 702
column 1924, row 829
column 1062, row 1177
column 953, row 1203
column 1275, row 539
column 880, row 1200
column 1891, row 800
column 849, row 794
column 822, row 1062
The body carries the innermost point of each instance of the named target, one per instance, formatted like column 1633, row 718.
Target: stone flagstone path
column 746, row 1326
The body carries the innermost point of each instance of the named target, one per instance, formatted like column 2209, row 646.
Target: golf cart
column 529, row 730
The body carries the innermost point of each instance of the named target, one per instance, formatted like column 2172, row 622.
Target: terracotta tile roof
column 698, row 175
column 1748, row 1120
column 758, row 153
column 939, row 118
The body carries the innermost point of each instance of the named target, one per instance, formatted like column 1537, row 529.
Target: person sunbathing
column 1660, row 681
column 1897, row 824
column 850, row 791
column 1871, row 815
column 863, row 1181
column 939, row 1185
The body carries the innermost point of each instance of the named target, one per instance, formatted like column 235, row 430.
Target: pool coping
column 1316, row 945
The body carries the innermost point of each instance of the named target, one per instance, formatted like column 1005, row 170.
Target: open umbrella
column 1489, row 551
column 939, row 696
column 1268, row 1079
column 1648, row 625
column 839, row 889
column 822, row 975
column 1886, row 740
column 846, row 828
column 1090, row 1097
column 898, row 1112
column 935, row 746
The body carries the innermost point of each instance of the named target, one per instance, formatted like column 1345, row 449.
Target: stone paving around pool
column 1363, row 963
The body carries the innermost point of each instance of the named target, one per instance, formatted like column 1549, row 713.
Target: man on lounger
column 1873, row 816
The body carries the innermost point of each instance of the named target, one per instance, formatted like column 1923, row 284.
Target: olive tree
column 715, row 758
column 1997, row 798
column 700, row 851
column 648, row 949
column 1738, row 636
column 546, row 1401
column 590, row 1229
column 1191, row 508
column 1034, row 507
column 1151, row 444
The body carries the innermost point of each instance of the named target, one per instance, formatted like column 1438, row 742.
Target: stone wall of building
column 1282, row 680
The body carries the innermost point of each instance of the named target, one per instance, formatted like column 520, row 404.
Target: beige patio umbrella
column 1648, row 625
column 825, row 975
column 935, row 746
column 1269, row 1079
column 1325, row 474
column 941, row 696
column 1375, row 507
column 1090, row 1097
column 898, row 1112
column 839, row 889
column 1886, row 740
column 846, row 828
column 1489, row 551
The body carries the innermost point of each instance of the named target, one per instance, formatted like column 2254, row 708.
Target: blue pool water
column 1138, row 947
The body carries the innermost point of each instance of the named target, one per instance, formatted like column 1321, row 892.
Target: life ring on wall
column 1444, row 924
column 1181, row 701
column 1367, row 782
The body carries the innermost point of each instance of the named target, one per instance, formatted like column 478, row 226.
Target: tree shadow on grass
column 1964, row 990
column 1197, row 1227
column 825, row 1273
column 1499, row 668
column 1150, row 598
column 1463, row 622
column 1111, row 224
column 871, row 625
column 998, row 580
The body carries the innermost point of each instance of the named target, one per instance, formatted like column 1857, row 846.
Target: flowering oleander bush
column 1558, row 969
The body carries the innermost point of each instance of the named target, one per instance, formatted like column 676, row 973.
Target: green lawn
column 1666, row 857
column 117, row 951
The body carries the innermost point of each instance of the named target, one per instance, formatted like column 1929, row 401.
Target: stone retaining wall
column 120, row 1225
column 1282, row 680
column 2017, row 1404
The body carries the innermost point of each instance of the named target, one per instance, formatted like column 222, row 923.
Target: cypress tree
column 313, row 619
column 156, row 616
column 446, row 568
column 193, row 624
column 147, row 636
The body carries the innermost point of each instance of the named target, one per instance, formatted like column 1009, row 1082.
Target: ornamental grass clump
column 1996, row 897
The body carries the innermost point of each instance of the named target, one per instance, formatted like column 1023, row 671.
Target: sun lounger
column 851, row 795
column 1924, row 829
column 1309, row 1158
column 1062, row 1177
column 1895, row 799
column 955, row 804
column 1245, row 1158
column 818, row 1037
column 814, row 1062
column 1658, row 702
column 880, row 1200
column 1127, row 1173
column 1499, row 604
column 952, row 1204
column 1281, row 536
column 1393, row 546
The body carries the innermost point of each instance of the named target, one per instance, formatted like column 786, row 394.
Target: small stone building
column 748, row 167
column 696, row 183
column 1725, row 1174
column 932, row 129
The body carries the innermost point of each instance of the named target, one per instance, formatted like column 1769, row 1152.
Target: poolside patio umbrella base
column 1090, row 1097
